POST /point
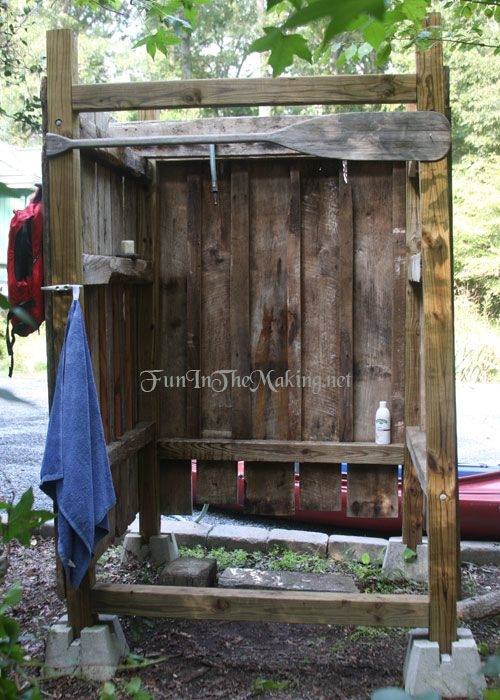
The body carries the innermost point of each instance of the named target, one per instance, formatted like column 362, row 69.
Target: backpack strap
column 10, row 339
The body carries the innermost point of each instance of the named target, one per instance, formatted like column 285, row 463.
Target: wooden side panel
column 268, row 484
column 216, row 482
column 320, row 487
column 372, row 491
column 269, row 488
column 175, row 487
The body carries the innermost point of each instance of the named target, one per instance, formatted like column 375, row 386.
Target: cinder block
column 134, row 547
column 62, row 654
column 235, row 577
column 480, row 553
column 450, row 675
column 163, row 548
column 299, row 541
column 190, row 571
column 231, row 537
column 352, row 548
column 395, row 564
column 102, row 647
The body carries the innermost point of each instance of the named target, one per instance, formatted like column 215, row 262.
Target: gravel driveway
column 23, row 425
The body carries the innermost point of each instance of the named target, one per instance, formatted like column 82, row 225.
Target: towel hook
column 73, row 288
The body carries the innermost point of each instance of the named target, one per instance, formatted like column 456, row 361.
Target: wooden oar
column 348, row 136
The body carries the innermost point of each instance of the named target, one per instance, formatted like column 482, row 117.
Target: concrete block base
column 95, row 655
column 450, row 675
column 300, row 541
column 395, row 564
column 286, row 580
column 134, row 547
column 163, row 548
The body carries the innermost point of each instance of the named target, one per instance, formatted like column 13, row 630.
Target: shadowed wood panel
column 294, row 303
column 270, row 196
column 320, row 272
column 372, row 491
column 91, row 311
column 89, row 208
column 216, row 482
column 398, row 300
column 103, row 203
column 106, row 361
column 118, row 358
column 269, row 488
column 174, row 262
column 320, row 487
column 193, row 301
column 240, row 299
column 175, row 487
column 215, row 304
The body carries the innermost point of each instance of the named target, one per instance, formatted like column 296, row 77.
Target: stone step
column 236, row 577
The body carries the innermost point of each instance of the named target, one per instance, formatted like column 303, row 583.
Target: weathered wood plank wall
column 284, row 274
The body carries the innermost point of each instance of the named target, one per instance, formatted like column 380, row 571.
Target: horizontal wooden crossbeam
column 305, row 607
column 281, row 451
column 103, row 269
column 335, row 89
column 416, row 443
column 130, row 442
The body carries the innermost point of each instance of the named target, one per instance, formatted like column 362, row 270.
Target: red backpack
column 25, row 271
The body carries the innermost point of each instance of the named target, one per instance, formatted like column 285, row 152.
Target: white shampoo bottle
column 383, row 425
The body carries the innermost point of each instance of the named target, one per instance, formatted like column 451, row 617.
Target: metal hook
column 213, row 173
column 73, row 288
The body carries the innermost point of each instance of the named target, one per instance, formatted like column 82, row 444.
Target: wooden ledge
column 131, row 442
column 281, row 451
column 124, row 160
column 103, row 269
column 304, row 607
column 330, row 89
column 417, row 447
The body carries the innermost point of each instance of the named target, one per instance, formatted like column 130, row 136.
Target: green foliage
column 21, row 520
column 283, row 48
column 132, row 688
column 409, row 554
column 281, row 559
column 365, row 558
column 261, row 686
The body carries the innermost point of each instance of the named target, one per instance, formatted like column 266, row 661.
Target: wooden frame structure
column 121, row 303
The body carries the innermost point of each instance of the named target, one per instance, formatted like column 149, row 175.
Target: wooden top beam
column 335, row 89
column 309, row 607
column 281, row 451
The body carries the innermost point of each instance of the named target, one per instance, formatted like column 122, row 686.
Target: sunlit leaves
column 283, row 48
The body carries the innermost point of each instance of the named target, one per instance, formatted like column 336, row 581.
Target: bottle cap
column 383, row 404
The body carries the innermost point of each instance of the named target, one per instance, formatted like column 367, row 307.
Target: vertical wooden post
column 413, row 497
column 437, row 278
column 147, row 330
column 64, row 233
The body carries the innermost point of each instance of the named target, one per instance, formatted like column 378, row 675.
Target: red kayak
column 479, row 507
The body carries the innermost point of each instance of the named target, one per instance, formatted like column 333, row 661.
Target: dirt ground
column 197, row 659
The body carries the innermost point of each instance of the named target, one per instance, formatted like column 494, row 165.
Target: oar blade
column 423, row 136
column 56, row 144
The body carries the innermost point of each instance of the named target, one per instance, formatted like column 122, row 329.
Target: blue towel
column 75, row 469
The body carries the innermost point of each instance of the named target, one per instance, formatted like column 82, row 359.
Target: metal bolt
column 443, row 497
column 58, row 122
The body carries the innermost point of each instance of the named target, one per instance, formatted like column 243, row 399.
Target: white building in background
column 20, row 169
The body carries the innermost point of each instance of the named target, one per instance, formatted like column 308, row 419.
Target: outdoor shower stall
column 302, row 265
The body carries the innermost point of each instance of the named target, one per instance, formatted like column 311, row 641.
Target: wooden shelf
column 281, row 451
column 104, row 269
column 268, row 606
